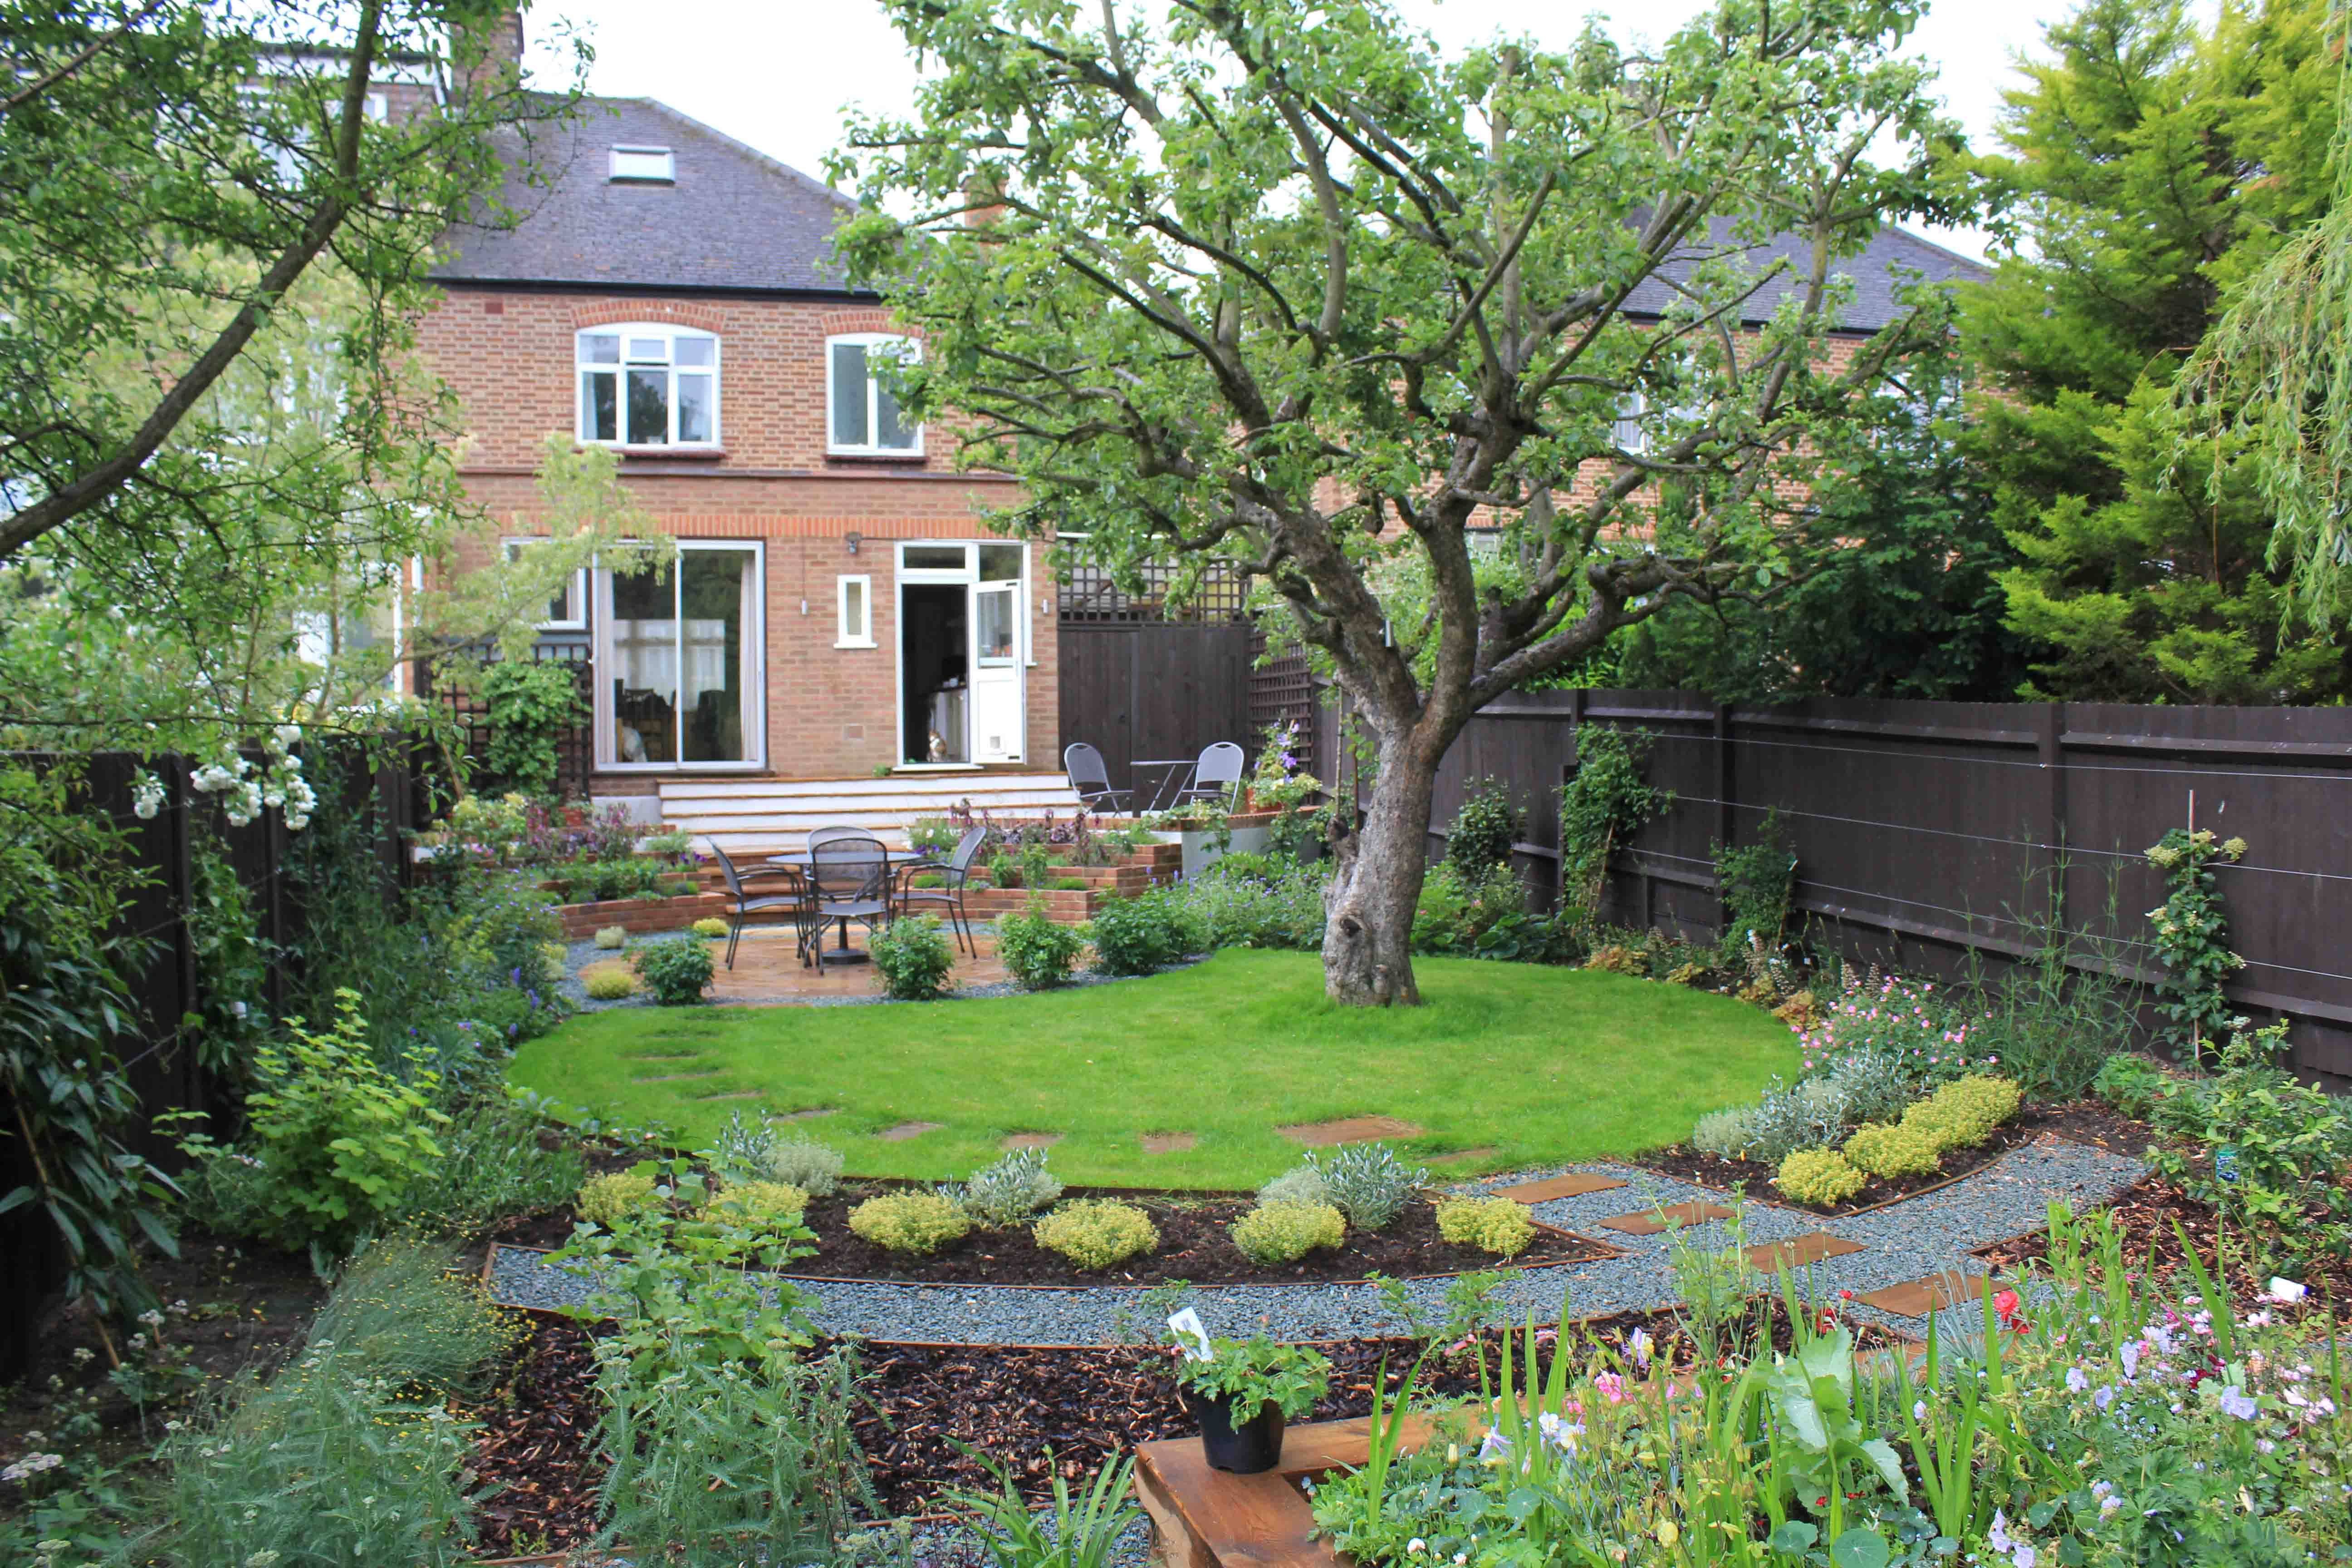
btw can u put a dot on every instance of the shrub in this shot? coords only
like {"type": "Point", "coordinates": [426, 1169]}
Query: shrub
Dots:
{"type": "Point", "coordinates": [608, 982]}
{"type": "Point", "coordinates": [1618, 959]}
{"type": "Point", "coordinates": [1874, 1086]}
{"type": "Point", "coordinates": [801, 1160]}
{"type": "Point", "coordinates": [1484, 830]}
{"type": "Point", "coordinates": [917, 1223]}
{"type": "Point", "coordinates": [1010, 1190]}
{"type": "Point", "coordinates": [710, 926]}
{"type": "Point", "coordinates": [2133, 1084]}
{"type": "Point", "coordinates": [1097, 1233]}
{"type": "Point", "coordinates": [1818, 1176]}
{"type": "Point", "coordinates": [492, 1166]}
{"type": "Point", "coordinates": [1727, 1134]}
{"type": "Point", "coordinates": [612, 939]}
{"type": "Point", "coordinates": [605, 1200]}
{"type": "Point", "coordinates": [677, 970]}
{"type": "Point", "coordinates": [1808, 1115]}
{"type": "Point", "coordinates": [914, 959]}
{"type": "Point", "coordinates": [1455, 910]}
{"type": "Point", "coordinates": [1035, 951]}
{"type": "Point", "coordinates": [935, 836]}
{"type": "Point", "coordinates": [340, 1140]}
{"type": "Point", "coordinates": [2290, 1143]}
{"type": "Point", "coordinates": [1135, 936]}
{"type": "Point", "coordinates": [1279, 1233]}
{"type": "Point", "coordinates": [765, 1202]}
{"type": "Point", "coordinates": [1300, 1185]}
{"type": "Point", "coordinates": [551, 958]}
{"type": "Point", "coordinates": [1963, 1113]}
{"type": "Point", "coordinates": [1250, 900]}
{"type": "Point", "coordinates": [1495, 1225]}
{"type": "Point", "coordinates": [1368, 1183]}
{"type": "Point", "coordinates": [1900, 1150]}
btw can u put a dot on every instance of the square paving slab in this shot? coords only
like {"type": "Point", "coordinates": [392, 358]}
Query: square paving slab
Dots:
{"type": "Point", "coordinates": [1575, 1185]}
{"type": "Point", "coordinates": [1935, 1293]}
{"type": "Point", "coordinates": [1796, 1251]}
{"type": "Point", "coordinates": [1650, 1222]}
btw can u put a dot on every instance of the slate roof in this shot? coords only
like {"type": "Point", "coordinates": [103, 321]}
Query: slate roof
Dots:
{"type": "Point", "coordinates": [734, 219]}
{"type": "Point", "coordinates": [1874, 271]}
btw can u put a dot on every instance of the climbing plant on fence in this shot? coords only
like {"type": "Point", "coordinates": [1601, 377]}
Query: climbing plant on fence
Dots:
{"type": "Point", "coordinates": [1605, 804]}
{"type": "Point", "coordinates": [2191, 936]}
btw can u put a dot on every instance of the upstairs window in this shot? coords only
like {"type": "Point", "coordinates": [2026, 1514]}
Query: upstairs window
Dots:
{"type": "Point", "coordinates": [643, 167]}
{"type": "Point", "coordinates": [648, 386]}
{"type": "Point", "coordinates": [863, 418]}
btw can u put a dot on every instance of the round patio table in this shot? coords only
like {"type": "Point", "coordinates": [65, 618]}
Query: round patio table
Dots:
{"type": "Point", "coordinates": [842, 953]}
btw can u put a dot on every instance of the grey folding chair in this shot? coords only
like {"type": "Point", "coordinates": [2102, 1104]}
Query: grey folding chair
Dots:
{"type": "Point", "coordinates": [1216, 776]}
{"type": "Point", "coordinates": [955, 876]}
{"type": "Point", "coordinates": [1090, 778]}
{"type": "Point", "coordinates": [849, 873]}
{"type": "Point", "coordinates": [742, 905]}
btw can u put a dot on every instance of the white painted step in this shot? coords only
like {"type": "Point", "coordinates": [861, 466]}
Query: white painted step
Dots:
{"type": "Point", "coordinates": [753, 816]}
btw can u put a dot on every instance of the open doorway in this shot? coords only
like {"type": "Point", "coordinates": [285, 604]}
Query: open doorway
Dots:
{"type": "Point", "coordinates": [934, 659]}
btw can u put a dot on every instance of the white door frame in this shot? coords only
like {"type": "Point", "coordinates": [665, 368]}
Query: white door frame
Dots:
{"type": "Point", "coordinates": [902, 576]}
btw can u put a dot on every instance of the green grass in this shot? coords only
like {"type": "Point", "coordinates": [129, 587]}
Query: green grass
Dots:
{"type": "Point", "coordinates": [1538, 1063]}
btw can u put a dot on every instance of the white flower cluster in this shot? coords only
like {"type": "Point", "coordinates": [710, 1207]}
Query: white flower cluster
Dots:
{"type": "Point", "coordinates": [31, 1465]}
{"type": "Point", "coordinates": [146, 795]}
{"type": "Point", "coordinates": [245, 794]}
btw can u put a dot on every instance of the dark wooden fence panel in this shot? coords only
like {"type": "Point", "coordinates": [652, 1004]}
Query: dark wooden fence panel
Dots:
{"type": "Point", "coordinates": [1153, 689]}
{"type": "Point", "coordinates": [1924, 831]}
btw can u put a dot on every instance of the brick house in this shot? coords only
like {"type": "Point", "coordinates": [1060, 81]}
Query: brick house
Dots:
{"type": "Point", "coordinates": [838, 607]}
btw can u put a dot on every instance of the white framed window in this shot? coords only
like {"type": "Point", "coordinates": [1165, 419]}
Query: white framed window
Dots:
{"type": "Point", "coordinates": [1627, 431]}
{"type": "Point", "coordinates": [645, 385]}
{"type": "Point", "coordinates": [681, 663]}
{"type": "Point", "coordinates": [862, 415]}
{"type": "Point", "coordinates": [643, 167]}
{"type": "Point", "coordinates": [568, 610]}
{"type": "Point", "coordinates": [853, 611]}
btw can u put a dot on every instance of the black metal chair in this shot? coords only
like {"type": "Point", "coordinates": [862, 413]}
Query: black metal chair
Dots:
{"type": "Point", "coordinates": [849, 875]}
{"type": "Point", "coordinates": [744, 904]}
{"type": "Point", "coordinates": [1217, 776]}
{"type": "Point", "coordinates": [1090, 778]}
{"type": "Point", "coordinates": [955, 874]}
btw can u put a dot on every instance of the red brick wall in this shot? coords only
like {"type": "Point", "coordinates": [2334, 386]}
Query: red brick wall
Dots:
{"type": "Point", "coordinates": [508, 353]}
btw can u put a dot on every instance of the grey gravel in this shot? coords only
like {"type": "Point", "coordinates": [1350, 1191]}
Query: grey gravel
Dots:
{"type": "Point", "coordinates": [1907, 1240]}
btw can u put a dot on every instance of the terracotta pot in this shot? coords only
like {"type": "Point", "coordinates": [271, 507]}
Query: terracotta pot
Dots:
{"type": "Point", "coordinates": [1246, 1451]}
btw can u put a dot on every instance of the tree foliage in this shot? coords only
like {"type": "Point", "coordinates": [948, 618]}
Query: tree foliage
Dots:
{"type": "Point", "coordinates": [1276, 283]}
{"type": "Point", "coordinates": [2152, 165]}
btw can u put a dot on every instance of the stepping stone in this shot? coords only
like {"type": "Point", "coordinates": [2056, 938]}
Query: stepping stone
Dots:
{"type": "Point", "coordinates": [906, 1129]}
{"type": "Point", "coordinates": [1347, 1129]}
{"type": "Point", "coordinates": [1799, 1251]}
{"type": "Point", "coordinates": [1168, 1142]}
{"type": "Point", "coordinates": [736, 1094]}
{"type": "Point", "coordinates": [689, 1057]}
{"type": "Point", "coordinates": [1935, 1293]}
{"type": "Point", "coordinates": [677, 1076]}
{"type": "Point", "coordinates": [1575, 1185]}
{"type": "Point", "coordinates": [1483, 1152]}
{"type": "Point", "coordinates": [1650, 1222]}
{"type": "Point", "coordinates": [807, 1115]}
{"type": "Point", "coordinates": [1032, 1140]}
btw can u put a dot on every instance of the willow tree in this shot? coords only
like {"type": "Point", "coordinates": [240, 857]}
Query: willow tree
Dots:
{"type": "Point", "coordinates": [1274, 281]}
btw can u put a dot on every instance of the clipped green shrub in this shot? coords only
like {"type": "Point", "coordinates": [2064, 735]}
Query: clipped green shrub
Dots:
{"type": "Point", "coordinates": [1963, 1113]}
{"type": "Point", "coordinates": [612, 939]}
{"type": "Point", "coordinates": [708, 926]}
{"type": "Point", "coordinates": [914, 958]}
{"type": "Point", "coordinates": [605, 1200]}
{"type": "Point", "coordinates": [916, 1223]}
{"type": "Point", "coordinates": [1010, 1190]}
{"type": "Point", "coordinates": [1095, 1233]}
{"type": "Point", "coordinates": [1818, 1176]}
{"type": "Point", "coordinates": [1496, 1224]}
{"type": "Point", "coordinates": [1280, 1232]}
{"type": "Point", "coordinates": [1035, 951]}
{"type": "Point", "coordinates": [1368, 1183]}
{"type": "Point", "coordinates": [806, 1163]}
{"type": "Point", "coordinates": [1135, 936]}
{"type": "Point", "coordinates": [765, 1202]}
{"type": "Point", "coordinates": [551, 957]}
{"type": "Point", "coordinates": [608, 982]}
{"type": "Point", "coordinates": [1725, 1134]}
{"type": "Point", "coordinates": [1300, 1185]}
{"type": "Point", "coordinates": [676, 972]}
{"type": "Point", "coordinates": [1893, 1150]}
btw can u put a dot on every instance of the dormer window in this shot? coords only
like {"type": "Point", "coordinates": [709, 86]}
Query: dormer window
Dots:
{"type": "Point", "coordinates": [648, 386]}
{"type": "Point", "coordinates": [644, 166]}
{"type": "Point", "coordinates": [863, 419]}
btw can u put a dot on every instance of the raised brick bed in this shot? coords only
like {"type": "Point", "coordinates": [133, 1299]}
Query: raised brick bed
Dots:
{"type": "Point", "coordinates": [638, 916]}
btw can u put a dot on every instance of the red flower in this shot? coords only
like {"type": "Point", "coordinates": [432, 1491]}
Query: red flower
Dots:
{"type": "Point", "coordinates": [2004, 1305]}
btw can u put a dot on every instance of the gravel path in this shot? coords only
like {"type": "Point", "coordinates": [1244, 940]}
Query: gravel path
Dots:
{"type": "Point", "coordinates": [1907, 1240]}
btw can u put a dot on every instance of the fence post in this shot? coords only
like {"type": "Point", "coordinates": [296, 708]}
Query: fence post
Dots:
{"type": "Point", "coordinates": [2050, 732]}
{"type": "Point", "coordinates": [1725, 823]}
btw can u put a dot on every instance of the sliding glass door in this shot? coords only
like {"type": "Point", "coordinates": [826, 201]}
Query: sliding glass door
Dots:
{"type": "Point", "coordinates": [679, 662]}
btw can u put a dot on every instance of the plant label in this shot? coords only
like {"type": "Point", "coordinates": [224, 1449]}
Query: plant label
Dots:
{"type": "Point", "coordinates": [1191, 1334]}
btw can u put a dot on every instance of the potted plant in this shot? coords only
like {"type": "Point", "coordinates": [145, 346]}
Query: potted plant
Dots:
{"type": "Point", "coordinates": [1244, 1392]}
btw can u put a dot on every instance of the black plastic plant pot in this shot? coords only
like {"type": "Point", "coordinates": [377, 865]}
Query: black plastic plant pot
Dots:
{"type": "Point", "coordinates": [1253, 1445]}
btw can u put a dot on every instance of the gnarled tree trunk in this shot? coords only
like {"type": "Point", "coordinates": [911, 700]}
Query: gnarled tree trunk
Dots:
{"type": "Point", "coordinates": [1367, 929]}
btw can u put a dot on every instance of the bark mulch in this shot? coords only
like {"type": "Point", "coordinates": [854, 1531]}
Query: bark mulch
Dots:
{"type": "Point", "coordinates": [1193, 1247]}
{"type": "Point", "coordinates": [2148, 1211]}
{"type": "Point", "coordinates": [2083, 1120]}
{"type": "Point", "coordinates": [1039, 1413]}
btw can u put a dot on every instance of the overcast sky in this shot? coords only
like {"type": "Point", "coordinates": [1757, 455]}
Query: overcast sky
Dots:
{"type": "Point", "coordinates": [777, 73]}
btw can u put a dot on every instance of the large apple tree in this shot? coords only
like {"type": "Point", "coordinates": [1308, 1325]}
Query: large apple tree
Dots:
{"type": "Point", "coordinates": [1276, 282]}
